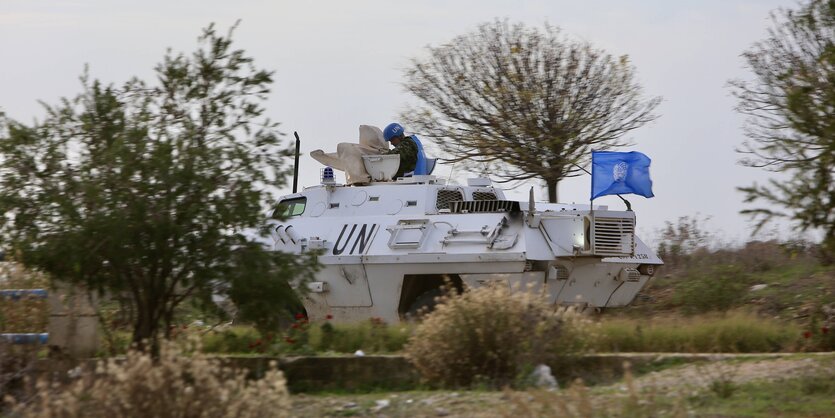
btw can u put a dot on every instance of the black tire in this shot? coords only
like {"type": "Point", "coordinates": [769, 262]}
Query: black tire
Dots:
{"type": "Point", "coordinates": [424, 303]}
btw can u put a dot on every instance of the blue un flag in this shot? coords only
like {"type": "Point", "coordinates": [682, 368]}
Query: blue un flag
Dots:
{"type": "Point", "coordinates": [620, 173]}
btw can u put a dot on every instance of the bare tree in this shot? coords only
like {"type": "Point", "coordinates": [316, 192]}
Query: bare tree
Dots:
{"type": "Point", "coordinates": [790, 104]}
{"type": "Point", "coordinates": [526, 102]}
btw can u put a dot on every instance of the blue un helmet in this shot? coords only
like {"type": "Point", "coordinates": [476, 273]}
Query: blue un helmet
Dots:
{"type": "Point", "coordinates": [392, 130]}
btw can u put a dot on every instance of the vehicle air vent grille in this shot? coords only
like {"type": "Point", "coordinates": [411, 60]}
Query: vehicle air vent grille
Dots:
{"type": "Point", "coordinates": [559, 273]}
{"type": "Point", "coordinates": [630, 275]}
{"type": "Point", "coordinates": [614, 237]}
{"type": "Point", "coordinates": [484, 196]}
{"type": "Point", "coordinates": [484, 206]}
{"type": "Point", "coordinates": [445, 197]}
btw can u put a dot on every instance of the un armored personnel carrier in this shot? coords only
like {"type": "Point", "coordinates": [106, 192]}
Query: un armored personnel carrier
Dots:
{"type": "Point", "coordinates": [388, 247]}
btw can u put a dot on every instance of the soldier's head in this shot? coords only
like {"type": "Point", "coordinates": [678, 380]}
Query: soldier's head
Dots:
{"type": "Point", "coordinates": [393, 133]}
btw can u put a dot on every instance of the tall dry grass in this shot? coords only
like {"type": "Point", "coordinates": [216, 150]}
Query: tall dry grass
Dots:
{"type": "Point", "coordinates": [180, 383]}
{"type": "Point", "coordinates": [493, 337]}
{"type": "Point", "coordinates": [735, 332]}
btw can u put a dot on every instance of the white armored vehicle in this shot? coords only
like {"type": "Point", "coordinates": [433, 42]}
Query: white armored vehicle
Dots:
{"type": "Point", "coordinates": [388, 247]}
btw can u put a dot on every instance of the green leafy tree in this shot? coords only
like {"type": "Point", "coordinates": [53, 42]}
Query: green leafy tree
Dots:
{"type": "Point", "coordinates": [150, 190]}
{"type": "Point", "coordinates": [790, 109]}
{"type": "Point", "coordinates": [526, 103]}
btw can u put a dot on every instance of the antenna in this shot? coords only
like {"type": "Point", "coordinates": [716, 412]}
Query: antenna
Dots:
{"type": "Point", "coordinates": [296, 165]}
{"type": "Point", "coordinates": [531, 204]}
{"type": "Point", "coordinates": [531, 207]}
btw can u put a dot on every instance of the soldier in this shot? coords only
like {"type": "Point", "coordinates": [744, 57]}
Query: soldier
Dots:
{"type": "Point", "coordinates": [410, 149]}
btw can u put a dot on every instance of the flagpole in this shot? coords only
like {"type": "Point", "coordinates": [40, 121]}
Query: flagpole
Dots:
{"type": "Point", "coordinates": [591, 195]}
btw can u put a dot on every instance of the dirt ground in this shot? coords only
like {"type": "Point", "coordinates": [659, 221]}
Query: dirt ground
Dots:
{"type": "Point", "coordinates": [700, 375]}
{"type": "Point", "coordinates": [679, 381]}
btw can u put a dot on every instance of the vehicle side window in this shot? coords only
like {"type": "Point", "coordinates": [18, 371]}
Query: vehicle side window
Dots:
{"type": "Point", "coordinates": [290, 207]}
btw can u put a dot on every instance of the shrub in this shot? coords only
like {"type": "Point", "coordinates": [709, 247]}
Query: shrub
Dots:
{"type": "Point", "coordinates": [819, 334]}
{"type": "Point", "coordinates": [490, 336]}
{"type": "Point", "coordinates": [684, 242]}
{"type": "Point", "coordinates": [178, 384]}
{"type": "Point", "coordinates": [761, 256]}
{"type": "Point", "coordinates": [236, 339]}
{"type": "Point", "coordinates": [712, 289]}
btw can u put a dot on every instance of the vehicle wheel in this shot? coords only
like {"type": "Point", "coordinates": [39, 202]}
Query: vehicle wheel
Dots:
{"type": "Point", "coordinates": [424, 303]}
{"type": "Point", "coordinates": [592, 312]}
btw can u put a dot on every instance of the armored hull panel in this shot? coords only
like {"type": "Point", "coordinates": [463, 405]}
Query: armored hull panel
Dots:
{"type": "Point", "coordinates": [387, 248]}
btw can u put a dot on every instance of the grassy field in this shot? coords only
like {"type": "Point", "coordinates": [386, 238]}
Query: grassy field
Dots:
{"type": "Point", "coordinates": [735, 332]}
{"type": "Point", "coordinates": [802, 397]}
{"type": "Point", "coordinates": [798, 387]}
{"type": "Point", "coordinates": [732, 332]}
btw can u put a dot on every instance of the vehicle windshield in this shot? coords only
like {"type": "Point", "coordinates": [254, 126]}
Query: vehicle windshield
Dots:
{"type": "Point", "coordinates": [290, 207]}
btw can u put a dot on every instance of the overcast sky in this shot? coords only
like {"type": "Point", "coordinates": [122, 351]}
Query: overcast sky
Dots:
{"type": "Point", "coordinates": [339, 64]}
